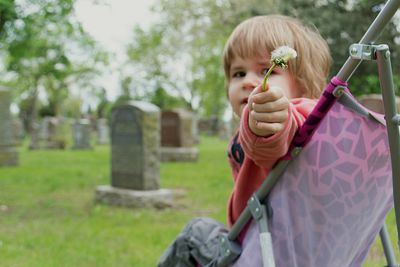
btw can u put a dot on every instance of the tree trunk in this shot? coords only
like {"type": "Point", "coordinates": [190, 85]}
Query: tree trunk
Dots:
{"type": "Point", "coordinates": [30, 114]}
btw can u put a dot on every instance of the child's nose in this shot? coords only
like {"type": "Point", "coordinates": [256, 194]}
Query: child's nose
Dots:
{"type": "Point", "coordinates": [251, 80]}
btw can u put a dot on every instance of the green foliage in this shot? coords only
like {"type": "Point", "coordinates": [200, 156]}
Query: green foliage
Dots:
{"type": "Point", "coordinates": [7, 14]}
{"type": "Point", "coordinates": [46, 110]}
{"type": "Point", "coordinates": [163, 100]}
{"type": "Point", "coordinates": [72, 107]}
{"type": "Point", "coordinates": [101, 109]}
{"type": "Point", "coordinates": [343, 23]}
{"type": "Point", "coordinates": [47, 51]}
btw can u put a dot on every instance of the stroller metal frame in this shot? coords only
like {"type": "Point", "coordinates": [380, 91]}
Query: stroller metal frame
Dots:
{"type": "Point", "coordinates": [364, 50]}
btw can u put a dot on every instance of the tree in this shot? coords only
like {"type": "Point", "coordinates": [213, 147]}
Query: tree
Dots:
{"type": "Point", "coordinates": [7, 13]}
{"type": "Point", "coordinates": [182, 52]}
{"type": "Point", "coordinates": [357, 13]}
{"type": "Point", "coordinates": [163, 100]}
{"type": "Point", "coordinates": [47, 51]}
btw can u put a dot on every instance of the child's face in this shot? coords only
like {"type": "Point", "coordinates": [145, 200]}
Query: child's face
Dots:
{"type": "Point", "coordinates": [247, 74]}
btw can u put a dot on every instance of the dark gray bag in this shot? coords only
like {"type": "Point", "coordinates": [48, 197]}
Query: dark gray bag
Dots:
{"type": "Point", "coordinates": [198, 243]}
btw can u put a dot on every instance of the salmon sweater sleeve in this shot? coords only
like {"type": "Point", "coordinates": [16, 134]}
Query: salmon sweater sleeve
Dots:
{"type": "Point", "coordinates": [252, 157]}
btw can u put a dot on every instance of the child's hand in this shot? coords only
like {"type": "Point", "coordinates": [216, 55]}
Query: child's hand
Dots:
{"type": "Point", "coordinates": [268, 111]}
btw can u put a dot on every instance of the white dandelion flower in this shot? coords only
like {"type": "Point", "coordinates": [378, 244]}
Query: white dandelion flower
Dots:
{"type": "Point", "coordinates": [279, 57]}
{"type": "Point", "coordinates": [282, 55]}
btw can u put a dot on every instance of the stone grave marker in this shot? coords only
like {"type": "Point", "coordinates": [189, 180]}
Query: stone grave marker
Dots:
{"type": "Point", "coordinates": [52, 133]}
{"type": "Point", "coordinates": [177, 136]}
{"type": "Point", "coordinates": [18, 130]}
{"type": "Point", "coordinates": [8, 152]}
{"type": "Point", "coordinates": [102, 132]}
{"type": "Point", "coordinates": [35, 136]}
{"type": "Point", "coordinates": [135, 158]}
{"type": "Point", "coordinates": [81, 133]}
{"type": "Point", "coordinates": [195, 129]}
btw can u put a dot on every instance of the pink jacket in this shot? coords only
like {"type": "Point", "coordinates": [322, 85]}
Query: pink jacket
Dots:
{"type": "Point", "coordinates": [252, 157]}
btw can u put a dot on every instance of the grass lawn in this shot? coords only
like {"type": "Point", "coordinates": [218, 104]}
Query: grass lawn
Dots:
{"type": "Point", "coordinates": [48, 217]}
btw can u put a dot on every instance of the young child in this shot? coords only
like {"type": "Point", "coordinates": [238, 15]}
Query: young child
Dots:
{"type": "Point", "coordinates": [269, 119]}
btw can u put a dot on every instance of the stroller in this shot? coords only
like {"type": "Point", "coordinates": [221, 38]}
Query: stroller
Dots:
{"type": "Point", "coordinates": [329, 213]}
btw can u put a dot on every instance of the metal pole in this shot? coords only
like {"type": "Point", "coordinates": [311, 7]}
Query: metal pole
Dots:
{"type": "Point", "coordinates": [392, 122]}
{"type": "Point", "coordinates": [387, 247]}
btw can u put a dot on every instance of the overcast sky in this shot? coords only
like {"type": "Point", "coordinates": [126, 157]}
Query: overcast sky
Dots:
{"type": "Point", "coordinates": [111, 24]}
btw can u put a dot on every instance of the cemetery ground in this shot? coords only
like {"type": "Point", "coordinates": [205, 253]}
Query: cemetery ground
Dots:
{"type": "Point", "coordinates": [48, 217]}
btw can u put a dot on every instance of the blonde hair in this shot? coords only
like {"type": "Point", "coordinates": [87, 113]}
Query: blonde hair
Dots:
{"type": "Point", "coordinates": [258, 35]}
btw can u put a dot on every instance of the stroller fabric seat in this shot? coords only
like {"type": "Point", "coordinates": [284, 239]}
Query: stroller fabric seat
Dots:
{"type": "Point", "coordinates": [332, 200]}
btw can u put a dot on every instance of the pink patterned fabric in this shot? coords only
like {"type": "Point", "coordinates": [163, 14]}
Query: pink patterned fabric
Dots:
{"type": "Point", "coordinates": [325, 102]}
{"type": "Point", "coordinates": [332, 200]}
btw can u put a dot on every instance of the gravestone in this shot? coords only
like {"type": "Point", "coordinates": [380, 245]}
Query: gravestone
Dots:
{"type": "Point", "coordinates": [135, 158]}
{"type": "Point", "coordinates": [18, 130]}
{"type": "Point", "coordinates": [135, 147]}
{"type": "Point", "coordinates": [8, 152]}
{"type": "Point", "coordinates": [102, 132]}
{"type": "Point", "coordinates": [195, 129]}
{"type": "Point", "coordinates": [374, 102]}
{"type": "Point", "coordinates": [46, 130]}
{"type": "Point", "coordinates": [209, 126]}
{"type": "Point", "coordinates": [34, 136]}
{"type": "Point", "coordinates": [177, 136]}
{"type": "Point", "coordinates": [81, 130]}
{"type": "Point", "coordinates": [52, 133]}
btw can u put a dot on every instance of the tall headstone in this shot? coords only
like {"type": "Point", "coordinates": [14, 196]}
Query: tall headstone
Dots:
{"type": "Point", "coordinates": [8, 152]}
{"type": "Point", "coordinates": [135, 147]}
{"type": "Point", "coordinates": [209, 126]}
{"type": "Point", "coordinates": [81, 133]}
{"type": "Point", "coordinates": [177, 136]}
{"type": "Point", "coordinates": [35, 136]}
{"type": "Point", "coordinates": [52, 133]}
{"type": "Point", "coordinates": [103, 132]}
{"type": "Point", "coordinates": [18, 130]}
{"type": "Point", "coordinates": [195, 129]}
{"type": "Point", "coordinates": [135, 158]}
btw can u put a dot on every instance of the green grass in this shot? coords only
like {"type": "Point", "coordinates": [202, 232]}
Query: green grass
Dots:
{"type": "Point", "coordinates": [48, 217]}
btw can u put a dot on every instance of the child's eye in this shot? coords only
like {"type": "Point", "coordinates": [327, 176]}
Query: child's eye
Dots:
{"type": "Point", "coordinates": [239, 74]}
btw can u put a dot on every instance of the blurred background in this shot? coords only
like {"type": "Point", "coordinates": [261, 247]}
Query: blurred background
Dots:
{"type": "Point", "coordinates": [77, 58]}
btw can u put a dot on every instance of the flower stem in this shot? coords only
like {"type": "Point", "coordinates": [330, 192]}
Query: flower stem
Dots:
{"type": "Point", "coordinates": [264, 83]}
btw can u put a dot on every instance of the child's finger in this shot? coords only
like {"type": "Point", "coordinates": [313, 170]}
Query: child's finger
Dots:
{"type": "Point", "coordinates": [271, 128]}
{"type": "Point", "coordinates": [272, 94]}
{"type": "Point", "coordinates": [280, 104]}
{"type": "Point", "coordinates": [273, 117]}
